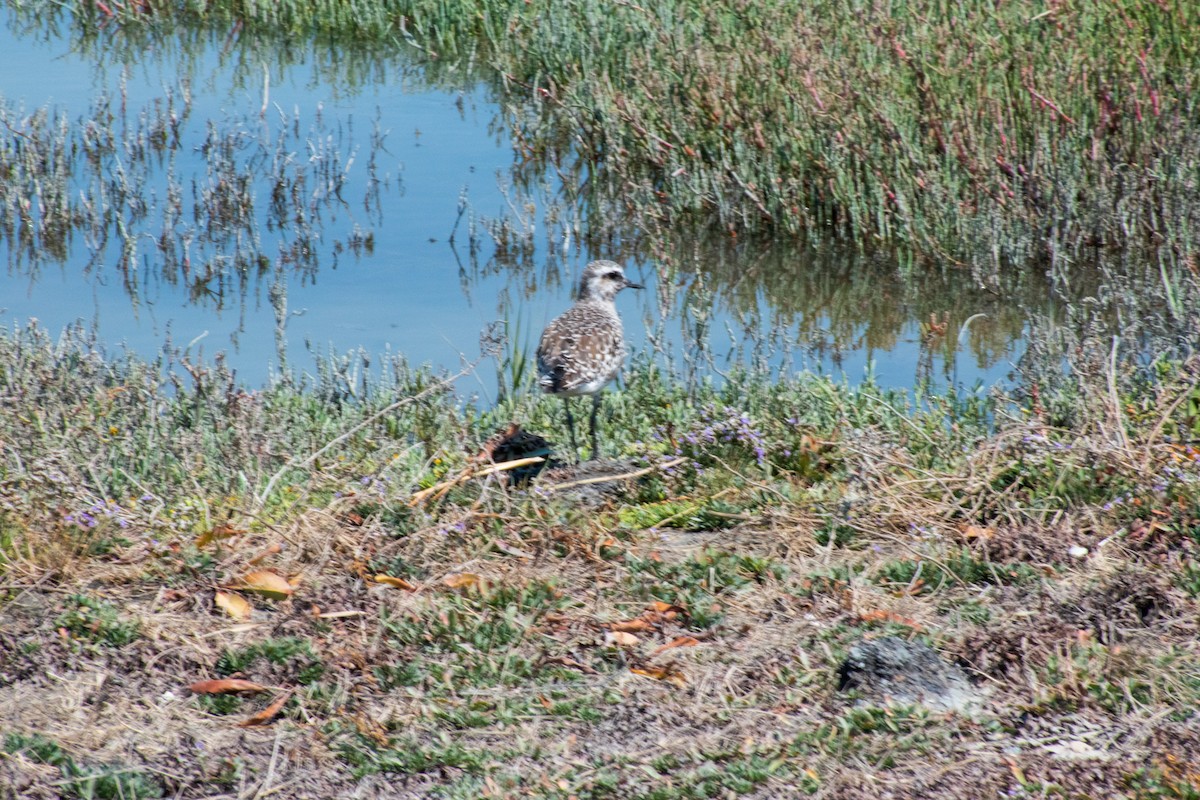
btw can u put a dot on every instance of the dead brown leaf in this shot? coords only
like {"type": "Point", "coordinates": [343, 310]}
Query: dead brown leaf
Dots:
{"type": "Point", "coordinates": [267, 714]}
{"type": "Point", "coordinates": [217, 533]}
{"type": "Point", "coordinates": [668, 610]}
{"type": "Point", "coordinates": [668, 674]}
{"type": "Point", "coordinates": [977, 532]}
{"type": "Point", "coordinates": [226, 686]}
{"type": "Point", "coordinates": [681, 641]}
{"type": "Point", "coordinates": [399, 583]}
{"type": "Point", "coordinates": [269, 584]}
{"type": "Point", "coordinates": [233, 605]}
{"type": "Point", "coordinates": [632, 625]}
{"type": "Point", "coordinates": [267, 552]}
{"type": "Point", "coordinates": [461, 580]}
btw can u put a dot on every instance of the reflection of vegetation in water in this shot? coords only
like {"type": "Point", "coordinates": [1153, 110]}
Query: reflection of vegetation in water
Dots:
{"type": "Point", "coordinates": [346, 63]}
{"type": "Point", "coordinates": [839, 299]}
{"type": "Point", "coordinates": [113, 181]}
{"type": "Point", "coordinates": [765, 303]}
{"type": "Point", "coordinates": [220, 201]}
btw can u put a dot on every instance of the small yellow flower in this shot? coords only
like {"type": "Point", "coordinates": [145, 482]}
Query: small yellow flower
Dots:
{"type": "Point", "coordinates": [113, 430]}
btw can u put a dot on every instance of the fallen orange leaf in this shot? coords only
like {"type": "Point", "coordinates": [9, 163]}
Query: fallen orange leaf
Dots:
{"type": "Point", "coordinates": [668, 674]}
{"type": "Point", "coordinates": [269, 584]}
{"type": "Point", "coordinates": [665, 608]}
{"type": "Point", "coordinates": [631, 625]}
{"type": "Point", "coordinates": [267, 552]}
{"type": "Point", "coordinates": [226, 686]}
{"type": "Point", "coordinates": [461, 580]}
{"type": "Point", "coordinates": [399, 583]}
{"type": "Point", "coordinates": [682, 641]}
{"type": "Point", "coordinates": [976, 532]}
{"type": "Point", "coordinates": [267, 714]}
{"type": "Point", "coordinates": [620, 638]}
{"type": "Point", "coordinates": [219, 532]}
{"type": "Point", "coordinates": [234, 605]}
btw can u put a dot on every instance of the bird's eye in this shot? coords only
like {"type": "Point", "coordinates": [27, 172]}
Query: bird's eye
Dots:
{"type": "Point", "coordinates": [614, 276]}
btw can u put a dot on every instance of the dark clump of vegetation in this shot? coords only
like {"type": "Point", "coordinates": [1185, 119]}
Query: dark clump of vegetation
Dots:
{"type": "Point", "coordinates": [300, 664]}
{"type": "Point", "coordinates": [96, 621]}
{"type": "Point", "coordinates": [103, 782]}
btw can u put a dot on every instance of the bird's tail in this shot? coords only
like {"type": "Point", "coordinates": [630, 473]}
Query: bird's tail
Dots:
{"type": "Point", "coordinates": [553, 379]}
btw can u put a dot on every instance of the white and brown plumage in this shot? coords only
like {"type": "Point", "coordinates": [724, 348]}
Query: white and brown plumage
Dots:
{"type": "Point", "coordinates": [583, 349]}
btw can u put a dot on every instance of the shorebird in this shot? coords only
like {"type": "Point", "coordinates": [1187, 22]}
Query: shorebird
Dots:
{"type": "Point", "coordinates": [583, 349]}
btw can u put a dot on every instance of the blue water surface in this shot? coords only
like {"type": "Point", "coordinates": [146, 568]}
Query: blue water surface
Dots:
{"type": "Point", "coordinates": [445, 167]}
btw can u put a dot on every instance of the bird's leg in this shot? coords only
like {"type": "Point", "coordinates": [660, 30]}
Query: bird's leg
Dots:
{"type": "Point", "coordinates": [571, 429]}
{"type": "Point", "coordinates": [595, 438]}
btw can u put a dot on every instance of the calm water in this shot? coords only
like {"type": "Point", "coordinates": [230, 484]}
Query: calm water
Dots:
{"type": "Point", "coordinates": [380, 216]}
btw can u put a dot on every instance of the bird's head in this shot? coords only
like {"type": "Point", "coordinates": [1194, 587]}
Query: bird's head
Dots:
{"type": "Point", "coordinates": [602, 280]}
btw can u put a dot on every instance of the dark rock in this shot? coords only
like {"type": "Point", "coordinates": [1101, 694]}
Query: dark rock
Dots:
{"type": "Point", "coordinates": [514, 444]}
{"type": "Point", "coordinates": [893, 670]}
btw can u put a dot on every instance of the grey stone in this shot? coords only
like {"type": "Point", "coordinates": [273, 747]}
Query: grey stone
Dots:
{"type": "Point", "coordinates": [896, 671]}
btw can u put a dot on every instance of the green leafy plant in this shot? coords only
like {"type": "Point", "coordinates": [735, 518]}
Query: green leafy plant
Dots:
{"type": "Point", "coordinates": [92, 620]}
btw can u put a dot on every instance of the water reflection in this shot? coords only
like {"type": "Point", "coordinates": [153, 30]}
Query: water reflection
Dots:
{"type": "Point", "coordinates": [180, 187]}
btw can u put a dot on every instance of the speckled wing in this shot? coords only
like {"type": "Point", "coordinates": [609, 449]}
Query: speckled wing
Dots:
{"type": "Point", "coordinates": [580, 351]}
